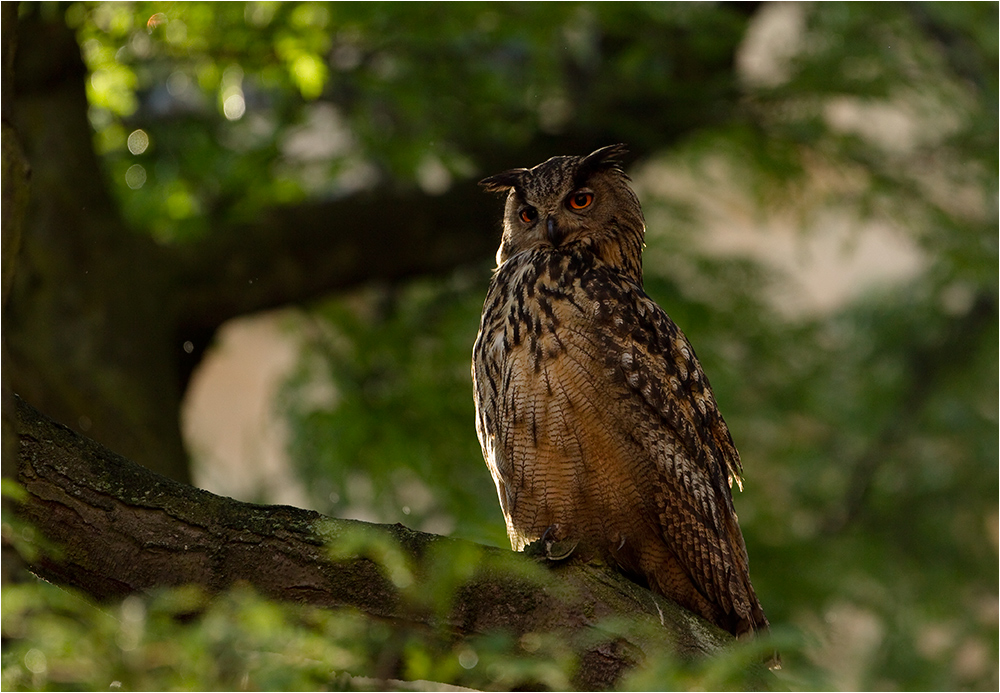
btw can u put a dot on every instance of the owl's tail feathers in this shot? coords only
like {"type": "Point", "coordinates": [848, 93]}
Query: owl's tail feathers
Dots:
{"type": "Point", "coordinates": [737, 610]}
{"type": "Point", "coordinates": [757, 626]}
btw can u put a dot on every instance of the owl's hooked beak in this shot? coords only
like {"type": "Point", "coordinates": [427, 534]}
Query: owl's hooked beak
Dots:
{"type": "Point", "coordinates": [553, 232]}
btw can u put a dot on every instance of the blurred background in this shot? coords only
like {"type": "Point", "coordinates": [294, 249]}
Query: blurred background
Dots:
{"type": "Point", "coordinates": [254, 257]}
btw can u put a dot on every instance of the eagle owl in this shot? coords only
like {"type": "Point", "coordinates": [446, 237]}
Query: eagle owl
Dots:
{"type": "Point", "coordinates": [595, 418]}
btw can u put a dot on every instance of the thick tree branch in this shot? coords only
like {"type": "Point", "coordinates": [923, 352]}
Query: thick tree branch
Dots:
{"type": "Point", "coordinates": [298, 253]}
{"type": "Point", "coordinates": [120, 529]}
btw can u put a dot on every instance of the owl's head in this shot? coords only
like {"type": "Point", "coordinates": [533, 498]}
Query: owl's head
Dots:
{"type": "Point", "coordinates": [584, 200]}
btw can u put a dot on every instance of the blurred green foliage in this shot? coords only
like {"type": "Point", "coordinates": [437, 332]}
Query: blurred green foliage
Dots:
{"type": "Point", "coordinates": [868, 431]}
{"type": "Point", "coordinates": [184, 638]}
{"type": "Point", "coordinates": [386, 348]}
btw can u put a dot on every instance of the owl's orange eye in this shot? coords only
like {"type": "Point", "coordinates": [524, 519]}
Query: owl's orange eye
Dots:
{"type": "Point", "coordinates": [581, 200]}
{"type": "Point", "coordinates": [528, 214]}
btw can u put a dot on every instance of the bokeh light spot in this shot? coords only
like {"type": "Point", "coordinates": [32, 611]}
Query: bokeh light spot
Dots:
{"type": "Point", "coordinates": [135, 177]}
{"type": "Point", "coordinates": [138, 141]}
{"type": "Point", "coordinates": [35, 662]}
{"type": "Point", "coordinates": [234, 107]}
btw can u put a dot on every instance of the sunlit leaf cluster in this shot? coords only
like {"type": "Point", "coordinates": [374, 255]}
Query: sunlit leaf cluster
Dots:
{"type": "Point", "coordinates": [250, 105]}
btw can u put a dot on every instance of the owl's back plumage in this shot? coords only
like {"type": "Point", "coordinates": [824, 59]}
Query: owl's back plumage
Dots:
{"type": "Point", "coordinates": [594, 415]}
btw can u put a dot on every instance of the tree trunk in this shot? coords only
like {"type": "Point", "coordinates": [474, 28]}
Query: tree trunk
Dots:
{"type": "Point", "coordinates": [15, 199]}
{"type": "Point", "coordinates": [87, 323]}
{"type": "Point", "coordinates": [120, 529]}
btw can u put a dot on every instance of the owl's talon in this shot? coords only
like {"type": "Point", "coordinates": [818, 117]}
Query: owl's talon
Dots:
{"type": "Point", "coordinates": [560, 550]}
{"type": "Point", "coordinates": [548, 548]}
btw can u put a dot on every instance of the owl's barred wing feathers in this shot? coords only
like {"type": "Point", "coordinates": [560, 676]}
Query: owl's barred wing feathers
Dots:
{"type": "Point", "coordinates": [675, 404]}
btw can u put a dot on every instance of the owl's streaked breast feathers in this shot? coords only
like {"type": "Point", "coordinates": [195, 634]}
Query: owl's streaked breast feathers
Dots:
{"type": "Point", "coordinates": [595, 417]}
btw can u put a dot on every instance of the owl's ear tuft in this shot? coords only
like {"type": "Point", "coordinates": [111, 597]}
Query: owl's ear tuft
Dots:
{"type": "Point", "coordinates": [611, 154]}
{"type": "Point", "coordinates": [602, 159]}
{"type": "Point", "coordinates": [502, 182]}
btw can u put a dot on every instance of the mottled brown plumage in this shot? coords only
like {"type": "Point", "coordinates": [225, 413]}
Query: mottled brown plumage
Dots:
{"type": "Point", "coordinates": [594, 415]}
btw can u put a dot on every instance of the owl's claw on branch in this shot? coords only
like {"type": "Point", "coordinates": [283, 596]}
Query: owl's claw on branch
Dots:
{"type": "Point", "coordinates": [549, 549]}
{"type": "Point", "coordinates": [560, 550]}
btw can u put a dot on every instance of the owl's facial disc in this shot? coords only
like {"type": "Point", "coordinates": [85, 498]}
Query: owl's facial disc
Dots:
{"type": "Point", "coordinates": [552, 213]}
